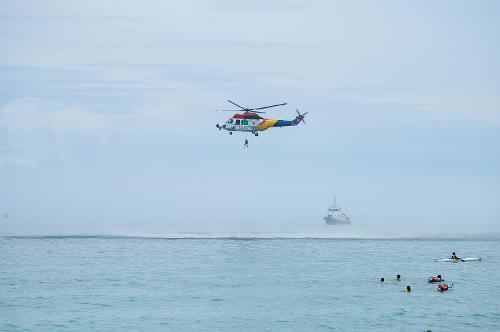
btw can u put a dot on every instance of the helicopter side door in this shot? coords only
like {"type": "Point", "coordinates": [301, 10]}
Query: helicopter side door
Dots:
{"type": "Point", "coordinates": [237, 125]}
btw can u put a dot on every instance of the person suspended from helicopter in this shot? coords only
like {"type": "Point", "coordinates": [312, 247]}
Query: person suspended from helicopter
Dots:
{"type": "Point", "coordinates": [246, 144]}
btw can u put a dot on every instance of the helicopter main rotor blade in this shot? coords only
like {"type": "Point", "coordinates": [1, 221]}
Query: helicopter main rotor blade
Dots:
{"type": "Point", "coordinates": [250, 109]}
{"type": "Point", "coordinates": [261, 108]}
{"type": "Point", "coordinates": [236, 111]}
{"type": "Point", "coordinates": [243, 108]}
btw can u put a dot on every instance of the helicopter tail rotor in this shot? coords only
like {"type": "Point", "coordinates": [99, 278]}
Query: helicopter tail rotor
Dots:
{"type": "Point", "coordinates": [300, 117]}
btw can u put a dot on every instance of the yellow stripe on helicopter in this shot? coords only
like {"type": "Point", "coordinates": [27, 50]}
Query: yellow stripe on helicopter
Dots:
{"type": "Point", "coordinates": [266, 123]}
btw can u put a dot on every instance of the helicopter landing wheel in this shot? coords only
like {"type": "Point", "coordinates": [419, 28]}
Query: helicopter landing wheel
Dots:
{"type": "Point", "coordinates": [256, 134]}
{"type": "Point", "coordinates": [230, 133]}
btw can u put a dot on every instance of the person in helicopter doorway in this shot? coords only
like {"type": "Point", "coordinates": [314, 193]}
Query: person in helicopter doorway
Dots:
{"type": "Point", "coordinates": [246, 144]}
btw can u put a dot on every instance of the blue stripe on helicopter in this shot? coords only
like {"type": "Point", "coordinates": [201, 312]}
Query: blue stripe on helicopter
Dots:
{"type": "Point", "coordinates": [284, 123]}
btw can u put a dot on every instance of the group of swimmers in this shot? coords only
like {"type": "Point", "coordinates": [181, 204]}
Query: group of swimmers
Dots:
{"type": "Point", "coordinates": [398, 278]}
{"type": "Point", "coordinates": [442, 287]}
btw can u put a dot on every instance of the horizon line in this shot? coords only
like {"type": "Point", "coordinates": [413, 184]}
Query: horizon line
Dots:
{"type": "Point", "coordinates": [250, 236]}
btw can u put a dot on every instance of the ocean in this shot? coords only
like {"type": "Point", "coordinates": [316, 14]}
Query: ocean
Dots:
{"type": "Point", "coordinates": [100, 283]}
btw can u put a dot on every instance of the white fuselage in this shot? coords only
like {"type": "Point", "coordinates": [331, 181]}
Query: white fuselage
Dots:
{"type": "Point", "coordinates": [241, 125]}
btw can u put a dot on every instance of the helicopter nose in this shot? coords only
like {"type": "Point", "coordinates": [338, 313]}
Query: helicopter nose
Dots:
{"type": "Point", "coordinates": [223, 126]}
{"type": "Point", "coordinates": [217, 125]}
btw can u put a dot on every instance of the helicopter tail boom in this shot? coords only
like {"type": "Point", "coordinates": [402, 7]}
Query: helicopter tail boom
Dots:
{"type": "Point", "coordinates": [268, 123]}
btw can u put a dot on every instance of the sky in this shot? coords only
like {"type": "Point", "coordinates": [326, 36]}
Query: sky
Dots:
{"type": "Point", "coordinates": [107, 122]}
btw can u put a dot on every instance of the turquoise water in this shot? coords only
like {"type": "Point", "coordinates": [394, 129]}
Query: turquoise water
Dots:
{"type": "Point", "coordinates": [228, 284]}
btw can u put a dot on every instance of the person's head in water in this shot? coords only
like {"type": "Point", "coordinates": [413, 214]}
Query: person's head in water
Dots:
{"type": "Point", "coordinates": [398, 277]}
{"type": "Point", "coordinates": [382, 279]}
{"type": "Point", "coordinates": [439, 276]}
{"type": "Point", "coordinates": [408, 288]}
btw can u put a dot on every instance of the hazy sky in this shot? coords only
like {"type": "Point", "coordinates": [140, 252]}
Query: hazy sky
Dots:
{"type": "Point", "coordinates": [106, 123]}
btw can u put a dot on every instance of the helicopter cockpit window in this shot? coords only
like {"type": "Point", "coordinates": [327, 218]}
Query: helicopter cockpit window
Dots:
{"type": "Point", "coordinates": [230, 121]}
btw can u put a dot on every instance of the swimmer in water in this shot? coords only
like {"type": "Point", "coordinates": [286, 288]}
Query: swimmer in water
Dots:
{"type": "Point", "coordinates": [442, 287]}
{"type": "Point", "coordinates": [435, 279]}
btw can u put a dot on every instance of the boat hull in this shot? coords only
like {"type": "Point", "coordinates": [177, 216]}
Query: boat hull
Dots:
{"type": "Point", "coordinates": [333, 221]}
{"type": "Point", "coordinates": [469, 259]}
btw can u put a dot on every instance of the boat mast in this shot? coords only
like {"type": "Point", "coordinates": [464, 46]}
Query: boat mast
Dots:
{"type": "Point", "coordinates": [334, 208]}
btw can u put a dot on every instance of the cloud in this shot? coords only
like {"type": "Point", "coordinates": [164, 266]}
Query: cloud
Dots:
{"type": "Point", "coordinates": [11, 155]}
{"type": "Point", "coordinates": [31, 114]}
{"type": "Point", "coordinates": [256, 6]}
{"type": "Point", "coordinates": [25, 115]}
{"type": "Point", "coordinates": [32, 129]}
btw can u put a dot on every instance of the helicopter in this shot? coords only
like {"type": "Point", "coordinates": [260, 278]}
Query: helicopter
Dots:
{"type": "Point", "coordinates": [251, 121]}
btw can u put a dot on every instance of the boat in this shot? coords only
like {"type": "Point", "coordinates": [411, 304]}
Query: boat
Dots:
{"type": "Point", "coordinates": [336, 216]}
{"type": "Point", "coordinates": [453, 260]}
